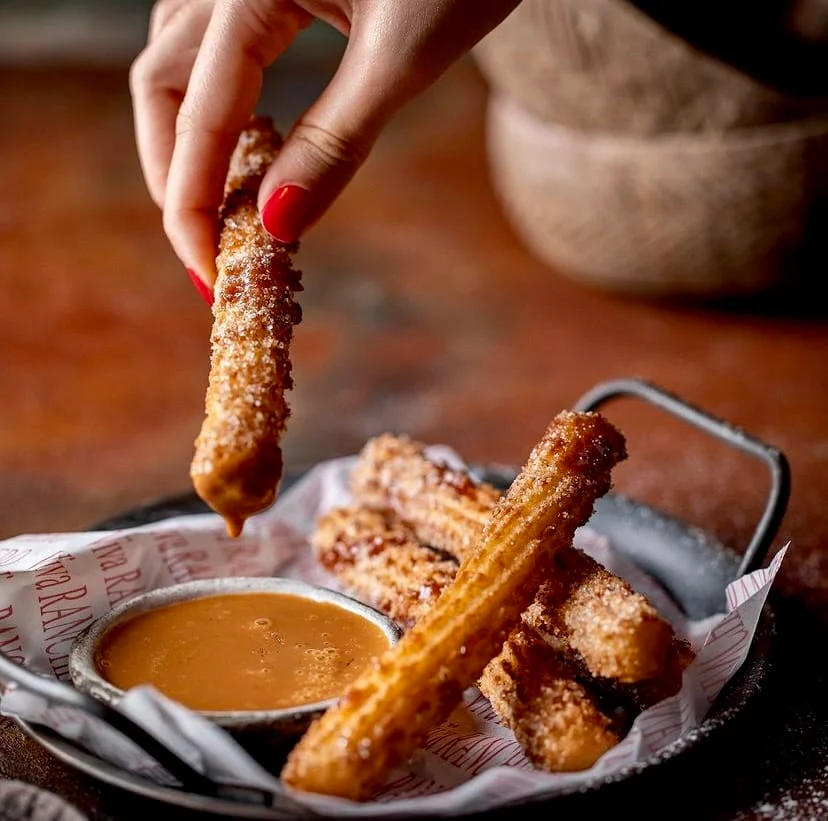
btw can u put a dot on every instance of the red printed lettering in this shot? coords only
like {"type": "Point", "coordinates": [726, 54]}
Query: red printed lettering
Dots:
{"type": "Point", "coordinates": [10, 642]}
{"type": "Point", "coordinates": [123, 585]}
{"type": "Point", "coordinates": [715, 669]}
{"type": "Point", "coordinates": [47, 560]}
{"type": "Point", "coordinates": [46, 602]}
{"type": "Point", "coordinates": [488, 749]}
{"type": "Point", "coordinates": [656, 737]}
{"type": "Point", "coordinates": [51, 575]}
{"type": "Point", "coordinates": [11, 645]}
{"type": "Point", "coordinates": [186, 564]}
{"type": "Point", "coordinates": [60, 636]}
{"type": "Point", "coordinates": [728, 626]}
{"type": "Point", "coordinates": [60, 666]}
{"type": "Point", "coordinates": [110, 556]}
{"type": "Point", "coordinates": [482, 708]}
{"type": "Point", "coordinates": [170, 541]}
{"type": "Point", "coordinates": [243, 560]}
{"type": "Point", "coordinates": [63, 617]}
{"type": "Point", "coordinates": [60, 615]}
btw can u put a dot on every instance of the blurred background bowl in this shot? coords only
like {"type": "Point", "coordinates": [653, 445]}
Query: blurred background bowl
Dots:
{"type": "Point", "coordinates": [676, 152]}
{"type": "Point", "coordinates": [608, 66]}
{"type": "Point", "coordinates": [697, 214]}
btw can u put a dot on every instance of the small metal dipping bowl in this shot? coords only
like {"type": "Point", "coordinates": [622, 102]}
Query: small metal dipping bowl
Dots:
{"type": "Point", "coordinates": [280, 723]}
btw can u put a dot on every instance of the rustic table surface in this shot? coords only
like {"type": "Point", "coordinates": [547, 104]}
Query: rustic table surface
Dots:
{"type": "Point", "coordinates": [423, 314]}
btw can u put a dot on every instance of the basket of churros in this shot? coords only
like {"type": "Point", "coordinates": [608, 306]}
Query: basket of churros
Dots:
{"type": "Point", "coordinates": [539, 656]}
{"type": "Point", "coordinates": [486, 637]}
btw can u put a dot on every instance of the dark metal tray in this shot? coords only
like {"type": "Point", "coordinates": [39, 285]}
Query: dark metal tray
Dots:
{"type": "Point", "coordinates": [691, 565]}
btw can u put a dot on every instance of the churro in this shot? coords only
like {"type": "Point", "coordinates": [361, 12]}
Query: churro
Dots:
{"type": "Point", "coordinates": [237, 465]}
{"type": "Point", "coordinates": [532, 686]}
{"type": "Point", "coordinates": [617, 631]}
{"type": "Point", "coordinates": [536, 693]}
{"type": "Point", "coordinates": [446, 506]}
{"type": "Point", "coordinates": [386, 714]}
{"type": "Point", "coordinates": [379, 560]}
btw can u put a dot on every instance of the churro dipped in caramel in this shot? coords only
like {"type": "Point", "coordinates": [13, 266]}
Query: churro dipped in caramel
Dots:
{"type": "Point", "coordinates": [617, 631]}
{"type": "Point", "coordinates": [386, 714]}
{"type": "Point", "coordinates": [237, 465]}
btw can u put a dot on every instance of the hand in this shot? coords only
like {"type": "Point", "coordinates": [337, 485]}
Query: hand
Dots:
{"type": "Point", "coordinates": [198, 81]}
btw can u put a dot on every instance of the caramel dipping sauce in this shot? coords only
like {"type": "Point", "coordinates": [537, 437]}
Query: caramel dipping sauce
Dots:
{"type": "Point", "coordinates": [241, 651]}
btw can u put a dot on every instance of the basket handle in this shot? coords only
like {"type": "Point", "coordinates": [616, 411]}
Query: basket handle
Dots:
{"type": "Point", "coordinates": [775, 460]}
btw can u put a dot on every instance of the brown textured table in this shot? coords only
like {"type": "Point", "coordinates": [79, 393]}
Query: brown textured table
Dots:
{"type": "Point", "coordinates": [422, 314]}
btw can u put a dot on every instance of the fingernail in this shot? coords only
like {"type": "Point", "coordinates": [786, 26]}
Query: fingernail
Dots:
{"type": "Point", "coordinates": [200, 286]}
{"type": "Point", "coordinates": [285, 213]}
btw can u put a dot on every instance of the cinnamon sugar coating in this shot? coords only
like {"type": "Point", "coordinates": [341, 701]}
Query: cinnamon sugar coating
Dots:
{"type": "Point", "coordinates": [446, 506]}
{"type": "Point", "coordinates": [532, 686]}
{"type": "Point", "coordinates": [536, 693]}
{"type": "Point", "coordinates": [379, 560]}
{"type": "Point", "coordinates": [617, 631]}
{"type": "Point", "coordinates": [385, 715]}
{"type": "Point", "coordinates": [237, 465]}
{"type": "Point", "coordinates": [588, 654]}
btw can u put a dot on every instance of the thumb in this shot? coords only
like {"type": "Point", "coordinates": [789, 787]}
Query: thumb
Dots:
{"type": "Point", "coordinates": [329, 143]}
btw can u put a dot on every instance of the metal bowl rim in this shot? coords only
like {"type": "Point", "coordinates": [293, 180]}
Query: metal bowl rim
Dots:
{"type": "Point", "coordinates": [86, 677]}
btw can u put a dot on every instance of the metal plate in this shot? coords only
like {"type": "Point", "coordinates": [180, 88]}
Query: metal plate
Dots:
{"type": "Point", "coordinates": [691, 565]}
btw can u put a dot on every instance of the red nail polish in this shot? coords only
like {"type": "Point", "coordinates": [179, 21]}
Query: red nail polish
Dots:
{"type": "Point", "coordinates": [200, 286]}
{"type": "Point", "coordinates": [285, 213]}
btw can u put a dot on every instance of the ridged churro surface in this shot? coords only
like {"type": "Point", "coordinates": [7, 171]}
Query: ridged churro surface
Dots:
{"type": "Point", "coordinates": [237, 465]}
{"type": "Point", "coordinates": [379, 560]}
{"type": "Point", "coordinates": [616, 630]}
{"type": "Point", "coordinates": [531, 686]}
{"type": "Point", "coordinates": [535, 692]}
{"type": "Point", "coordinates": [446, 506]}
{"type": "Point", "coordinates": [386, 714]}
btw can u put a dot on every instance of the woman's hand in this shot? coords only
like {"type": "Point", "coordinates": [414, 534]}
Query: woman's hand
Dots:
{"type": "Point", "coordinates": [198, 81]}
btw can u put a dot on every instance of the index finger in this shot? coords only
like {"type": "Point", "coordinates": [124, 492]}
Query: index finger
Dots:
{"type": "Point", "coordinates": [242, 38]}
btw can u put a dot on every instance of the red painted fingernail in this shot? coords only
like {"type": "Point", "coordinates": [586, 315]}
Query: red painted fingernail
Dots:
{"type": "Point", "coordinates": [285, 213]}
{"type": "Point", "coordinates": [200, 286]}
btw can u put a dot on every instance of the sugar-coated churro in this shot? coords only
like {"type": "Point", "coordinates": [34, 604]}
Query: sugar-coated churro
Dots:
{"type": "Point", "coordinates": [445, 506]}
{"type": "Point", "coordinates": [386, 714]}
{"type": "Point", "coordinates": [379, 560]}
{"type": "Point", "coordinates": [640, 695]}
{"type": "Point", "coordinates": [237, 465]}
{"type": "Point", "coordinates": [536, 693]}
{"type": "Point", "coordinates": [617, 631]}
{"type": "Point", "coordinates": [531, 685]}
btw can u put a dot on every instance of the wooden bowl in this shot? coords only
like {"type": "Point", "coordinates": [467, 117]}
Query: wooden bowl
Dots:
{"type": "Point", "coordinates": [705, 214]}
